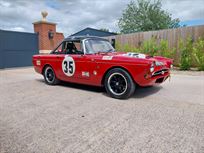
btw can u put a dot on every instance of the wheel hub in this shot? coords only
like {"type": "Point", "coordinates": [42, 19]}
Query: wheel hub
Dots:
{"type": "Point", "coordinates": [49, 75]}
{"type": "Point", "coordinates": [117, 84]}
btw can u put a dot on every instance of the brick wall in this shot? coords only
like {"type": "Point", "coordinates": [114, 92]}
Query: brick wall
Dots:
{"type": "Point", "coordinates": [45, 43]}
{"type": "Point", "coordinates": [59, 38]}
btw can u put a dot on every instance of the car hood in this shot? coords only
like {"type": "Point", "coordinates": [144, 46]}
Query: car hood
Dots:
{"type": "Point", "coordinates": [135, 57]}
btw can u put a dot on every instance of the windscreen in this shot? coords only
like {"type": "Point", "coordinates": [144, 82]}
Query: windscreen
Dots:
{"type": "Point", "coordinates": [97, 46]}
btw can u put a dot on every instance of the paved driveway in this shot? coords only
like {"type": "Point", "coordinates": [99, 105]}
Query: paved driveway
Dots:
{"type": "Point", "coordinates": [35, 117]}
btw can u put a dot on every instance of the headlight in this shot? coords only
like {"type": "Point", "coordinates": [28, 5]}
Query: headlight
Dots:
{"type": "Point", "coordinates": [152, 67]}
{"type": "Point", "coordinates": [171, 66]}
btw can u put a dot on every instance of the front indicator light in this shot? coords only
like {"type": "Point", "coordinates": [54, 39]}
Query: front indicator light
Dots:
{"type": "Point", "coordinates": [147, 76]}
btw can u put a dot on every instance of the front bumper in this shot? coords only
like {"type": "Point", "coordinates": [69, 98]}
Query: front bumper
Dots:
{"type": "Point", "coordinates": [156, 77]}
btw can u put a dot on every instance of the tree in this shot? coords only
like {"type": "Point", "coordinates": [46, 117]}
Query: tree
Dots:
{"type": "Point", "coordinates": [144, 15]}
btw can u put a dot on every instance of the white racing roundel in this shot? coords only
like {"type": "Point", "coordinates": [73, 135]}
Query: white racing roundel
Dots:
{"type": "Point", "coordinates": [68, 66]}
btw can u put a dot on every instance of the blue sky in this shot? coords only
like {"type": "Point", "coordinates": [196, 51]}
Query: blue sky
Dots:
{"type": "Point", "coordinates": [53, 4]}
{"type": "Point", "coordinates": [75, 15]}
{"type": "Point", "coordinates": [192, 22]}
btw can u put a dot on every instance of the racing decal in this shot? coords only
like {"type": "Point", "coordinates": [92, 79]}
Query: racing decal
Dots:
{"type": "Point", "coordinates": [137, 55]}
{"type": "Point", "coordinates": [85, 74]}
{"type": "Point", "coordinates": [38, 62]}
{"type": "Point", "coordinates": [157, 63]}
{"type": "Point", "coordinates": [107, 57]}
{"type": "Point", "coordinates": [68, 66]}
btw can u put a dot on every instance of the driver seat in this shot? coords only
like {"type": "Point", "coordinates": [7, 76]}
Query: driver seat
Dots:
{"type": "Point", "coordinates": [70, 49]}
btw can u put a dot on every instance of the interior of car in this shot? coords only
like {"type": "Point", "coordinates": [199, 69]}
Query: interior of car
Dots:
{"type": "Point", "coordinates": [69, 47]}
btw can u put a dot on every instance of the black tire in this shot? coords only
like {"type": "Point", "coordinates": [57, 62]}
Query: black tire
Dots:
{"type": "Point", "coordinates": [49, 76]}
{"type": "Point", "coordinates": [119, 84]}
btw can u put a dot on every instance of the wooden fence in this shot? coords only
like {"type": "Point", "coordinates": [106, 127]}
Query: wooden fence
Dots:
{"type": "Point", "coordinates": [171, 35]}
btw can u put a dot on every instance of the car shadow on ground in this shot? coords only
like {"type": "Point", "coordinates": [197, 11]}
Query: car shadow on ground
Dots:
{"type": "Point", "coordinates": [78, 86]}
{"type": "Point", "coordinates": [82, 87]}
{"type": "Point", "coordinates": [140, 92]}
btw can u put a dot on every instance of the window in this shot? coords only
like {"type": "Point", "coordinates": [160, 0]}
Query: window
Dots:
{"type": "Point", "coordinates": [69, 47]}
{"type": "Point", "coordinates": [59, 49]}
{"type": "Point", "coordinates": [98, 45]}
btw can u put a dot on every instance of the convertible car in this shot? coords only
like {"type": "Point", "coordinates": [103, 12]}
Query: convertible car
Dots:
{"type": "Point", "coordinates": [93, 61]}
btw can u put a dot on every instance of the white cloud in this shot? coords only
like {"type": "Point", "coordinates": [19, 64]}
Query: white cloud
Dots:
{"type": "Point", "coordinates": [185, 9]}
{"type": "Point", "coordinates": [4, 4]}
{"type": "Point", "coordinates": [21, 29]}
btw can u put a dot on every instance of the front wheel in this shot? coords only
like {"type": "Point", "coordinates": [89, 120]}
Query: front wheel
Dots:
{"type": "Point", "coordinates": [49, 76]}
{"type": "Point", "coordinates": [119, 84]}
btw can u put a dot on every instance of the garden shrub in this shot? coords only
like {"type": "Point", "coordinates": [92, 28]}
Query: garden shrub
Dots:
{"type": "Point", "coordinates": [150, 47]}
{"type": "Point", "coordinates": [126, 48]}
{"type": "Point", "coordinates": [198, 53]}
{"type": "Point", "coordinates": [118, 46]}
{"type": "Point", "coordinates": [186, 54]}
{"type": "Point", "coordinates": [164, 49]}
{"type": "Point", "coordinates": [189, 51]}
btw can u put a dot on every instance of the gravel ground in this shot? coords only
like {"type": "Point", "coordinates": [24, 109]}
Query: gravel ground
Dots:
{"type": "Point", "coordinates": [68, 118]}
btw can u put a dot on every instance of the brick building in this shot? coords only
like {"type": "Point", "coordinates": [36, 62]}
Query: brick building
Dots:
{"type": "Point", "coordinates": [49, 38]}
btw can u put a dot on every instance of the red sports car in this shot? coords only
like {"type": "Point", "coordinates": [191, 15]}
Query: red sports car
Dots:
{"type": "Point", "coordinates": [93, 61]}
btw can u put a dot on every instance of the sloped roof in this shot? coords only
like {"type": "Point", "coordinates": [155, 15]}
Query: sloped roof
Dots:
{"type": "Point", "coordinates": [81, 38]}
{"type": "Point", "coordinates": [93, 32]}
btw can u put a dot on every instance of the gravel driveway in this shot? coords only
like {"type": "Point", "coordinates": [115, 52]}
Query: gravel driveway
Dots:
{"type": "Point", "coordinates": [37, 118]}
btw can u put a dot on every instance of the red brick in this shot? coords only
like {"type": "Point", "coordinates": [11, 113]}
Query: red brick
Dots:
{"type": "Point", "coordinates": [43, 28]}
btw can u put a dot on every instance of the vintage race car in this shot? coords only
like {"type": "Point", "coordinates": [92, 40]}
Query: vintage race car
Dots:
{"type": "Point", "coordinates": [93, 61]}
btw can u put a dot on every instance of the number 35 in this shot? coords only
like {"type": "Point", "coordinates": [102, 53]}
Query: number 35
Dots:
{"type": "Point", "coordinates": [68, 67]}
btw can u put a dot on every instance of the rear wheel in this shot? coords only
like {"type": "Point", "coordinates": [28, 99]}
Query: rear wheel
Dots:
{"type": "Point", "coordinates": [119, 84]}
{"type": "Point", "coordinates": [49, 76]}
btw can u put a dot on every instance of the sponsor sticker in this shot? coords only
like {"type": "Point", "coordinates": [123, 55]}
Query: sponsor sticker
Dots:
{"type": "Point", "coordinates": [107, 57]}
{"type": "Point", "coordinates": [85, 74]}
{"type": "Point", "coordinates": [136, 55]}
{"type": "Point", "coordinates": [38, 62]}
{"type": "Point", "coordinates": [157, 63]}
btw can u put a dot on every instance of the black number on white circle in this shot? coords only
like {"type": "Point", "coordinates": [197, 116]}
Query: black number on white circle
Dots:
{"type": "Point", "coordinates": [65, 66]}
{"type": "Point", "coordinates": [68, 67]}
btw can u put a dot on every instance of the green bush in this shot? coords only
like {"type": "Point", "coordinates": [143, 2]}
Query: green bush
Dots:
{"type": "Point", "coordinates": [150, 47]}
{"type": "Point", "coordinates": [198, 52]}
{"type": "Point", "coordinates": [191, 53]}
{"type": "Point", "coordinates": [186, 54]}
{"type": "Point", "coordinates": [164, 49]}
{"type": "Point", "coordinates": [126, 48]}
{"type": "Point", "coordinates": [118, 46]}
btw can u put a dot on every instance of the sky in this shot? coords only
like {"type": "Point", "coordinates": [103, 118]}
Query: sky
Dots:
{"type": "Point", "coordinates": [75, 15]}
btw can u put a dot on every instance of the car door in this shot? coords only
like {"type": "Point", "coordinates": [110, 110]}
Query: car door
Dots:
{"type": "Point", "coordinates": [88, 69]}
{"type": "Point", "coordinates": [85, 65]}
{"type": "Point", "coordinates": [66, 63]}
{"type": "Point", "coordinates": [74, 66]}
